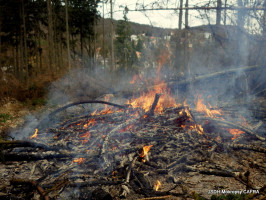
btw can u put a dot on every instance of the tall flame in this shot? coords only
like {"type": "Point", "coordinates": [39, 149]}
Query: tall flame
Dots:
{"type": "Point", "coordinates": [157, 185]}
{"type": "Point", "coordinates": [35, 134]}
{"type": "Point", "coordinates": [146, 99]}
{"type": "Point", "coordinates": [145, 151]}
{"type": "Point", "coordinates": [201, 107]}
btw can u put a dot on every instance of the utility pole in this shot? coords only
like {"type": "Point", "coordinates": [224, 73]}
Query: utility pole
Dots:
{"type": "Point", "coordinates": [112, 37]}
{"type": "Point", "coordinates": [67, 36]}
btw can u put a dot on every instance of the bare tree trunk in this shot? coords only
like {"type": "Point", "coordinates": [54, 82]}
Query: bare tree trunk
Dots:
{"type": "Point", "coordinates": [103, 37]}
{"type": "Point", "coordinates": [186, 14]}
{"type": "Point", "coordinates": [180, 15]}
{"type": "Point", "coordinates": [264, 19]}
{"type": "Point", "coordinates": [225, 5]}
{"type": "Point", "coordinates": [81, 45]}
{"type": "Point", "coordinates": [112, 37]}
{"type": "Point", "coordinates": [25, 42]}
{"type": "Point", "coordinates": [67, 36]}
{"type": "Point", "coordinates": [241, 42]}
{"type": "Point", "coordinates": [218, 12]}
{"type": "Point", "coordinates": [50, 35]}
{"type": "Point", "coordinates": [0, 44]}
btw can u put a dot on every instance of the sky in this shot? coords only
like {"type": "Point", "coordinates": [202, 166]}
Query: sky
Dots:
{"type": "Point", "coordinates": [165, 19]}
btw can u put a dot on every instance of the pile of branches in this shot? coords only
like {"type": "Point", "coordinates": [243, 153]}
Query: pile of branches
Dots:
{"type": "Point", "coordinates": [103, 156]}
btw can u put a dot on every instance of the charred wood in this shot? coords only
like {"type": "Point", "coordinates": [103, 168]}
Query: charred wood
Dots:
{"type": "Point", "coordinates": [248, 147]}
{"type": "Point", "coordinates": [33, 184]}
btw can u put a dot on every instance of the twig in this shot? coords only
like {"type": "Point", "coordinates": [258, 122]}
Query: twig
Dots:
{"type": "Point", "coordinates": [132, 164]}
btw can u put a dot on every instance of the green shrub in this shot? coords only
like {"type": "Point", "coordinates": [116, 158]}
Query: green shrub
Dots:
{"type": "Point", "coordinates": [4, 117]}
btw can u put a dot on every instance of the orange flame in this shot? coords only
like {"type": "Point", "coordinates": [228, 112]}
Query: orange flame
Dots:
{"type": "Point", "coordinates": [201, 107]}
{"type": "Point", "coordinates": [90, 122]}
{"type": "Point", "coordinates": [157, 185]}
{"type": "Point", "coordinates": [79, 160]}
{"type": "Point", "coordinates": [85, 135]}
{"type": "Point", "coordinates": [145, 151]}
{"type": "Point", "coordinates": [235, 132]}
{"type": "Point", "coordinates": [146, 99]}
{"type": "Point", "coordinates": [35, 134]}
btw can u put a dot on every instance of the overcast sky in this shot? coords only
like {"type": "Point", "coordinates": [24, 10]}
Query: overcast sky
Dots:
{"type": "Point", "coordinates": [166, 19]}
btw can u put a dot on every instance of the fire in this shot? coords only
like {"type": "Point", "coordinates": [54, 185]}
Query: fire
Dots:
{"type": "Point", "coordinates": [135, 79]}
{"type": "Point", "coordinates": [235, 132]}
{"type": "Point", "coordinates": [201, 107]}
{"type": "Point", "coordinates": [35, 134]}
{"type": "Point", "coordinates": [146, 99]}
{"type": "Point", "coordinates": [197, 127]}
{"type": "Point", "coordinates": [157, 185]}
{"type": "Point", "coordinates": [145, 151]}
{"type": "Point", "coordinates": [79, 160]}
{"type": "Point", "coordinates": [90, 122]}
{"type": "Point", "coordinates": [85, 135]}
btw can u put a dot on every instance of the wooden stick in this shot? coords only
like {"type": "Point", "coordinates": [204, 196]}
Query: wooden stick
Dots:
{"type": "Point", "coordinates": [153, 106]}
{"type": "Point", "coordinates": [30, 182]}
{"type": "Point", "coordinates": [20, 143]}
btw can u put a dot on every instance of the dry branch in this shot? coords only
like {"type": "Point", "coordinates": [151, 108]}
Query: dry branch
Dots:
{"type": "Point", "coordinates": [20, 143]}
{"type": "Point", "coordinates": [78, 103]}
{"type": "Point", "coordinates": [248, 147]}
{"type": "Point", "coordinates": [153, 106]}
{"type": "Point", "coordinates": [30, 182]}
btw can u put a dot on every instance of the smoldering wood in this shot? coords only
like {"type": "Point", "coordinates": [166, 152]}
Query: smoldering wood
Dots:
{"type": "Point", "coordinates": [153, 106]}
{"type": "Point", "coordinates": [19, 143]}
{"type": "Point", "coordinates": [34, 184]}
{"type": "Point", "coordinates": [178, 156]}
{"type": "Point", "coordinates": [49, 116]}
{"type": "Point", "coordinates": [238, 126]}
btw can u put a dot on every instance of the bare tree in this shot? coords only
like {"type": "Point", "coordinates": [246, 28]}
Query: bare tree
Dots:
{"type": "Point", "coordinates": [180, 15]}
{"type": "Point", "coordinates": [218, 13]}
{"type": "Point", "coordinates": [67, 36]}
{"type": "Point", "coordinates": [50, 34]}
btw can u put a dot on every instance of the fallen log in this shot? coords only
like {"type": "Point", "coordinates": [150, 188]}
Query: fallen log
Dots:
{"type": "Point", "coordinates": [195, 79]}
{"type": "Point", "coordinates": [20, 143]}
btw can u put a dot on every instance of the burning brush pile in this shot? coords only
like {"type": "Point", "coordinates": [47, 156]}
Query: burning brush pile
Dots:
{"type": "Point", "coordinates": [150, 147]}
